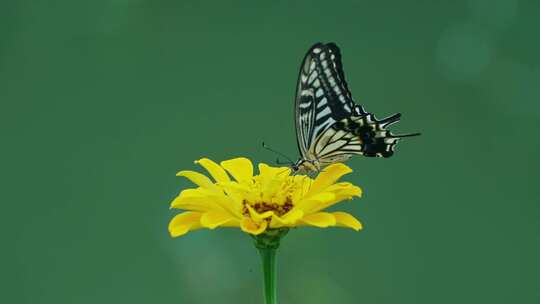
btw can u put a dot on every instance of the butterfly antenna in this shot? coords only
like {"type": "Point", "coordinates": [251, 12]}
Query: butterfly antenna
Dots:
{"type": "Point", "coordinates": [278, 153]}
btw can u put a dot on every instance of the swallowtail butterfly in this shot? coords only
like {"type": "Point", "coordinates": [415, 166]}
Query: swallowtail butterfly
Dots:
{"type": "Point", "coordinates": [330, 126]}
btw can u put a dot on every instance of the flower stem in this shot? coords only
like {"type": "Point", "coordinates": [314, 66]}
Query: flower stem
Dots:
{"type": "Point", "coordinates": [267, 243]}
{"type": "Point", "coordinates": [268, 259]}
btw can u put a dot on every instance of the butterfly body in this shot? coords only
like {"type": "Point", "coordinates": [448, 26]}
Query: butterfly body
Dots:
{"type": "Point", "coordinates": [330, 126]}
{"type": "Point", "coordinates": [306, 166]}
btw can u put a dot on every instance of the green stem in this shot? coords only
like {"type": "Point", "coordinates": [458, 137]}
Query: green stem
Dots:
{"type": "Point", "coordinates": [267, 243]}
{"type": "Point", "coordinates": [268, 259]}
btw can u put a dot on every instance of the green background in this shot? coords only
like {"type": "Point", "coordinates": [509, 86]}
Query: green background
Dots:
{"type": "Point", "coordinates": [102, 102]}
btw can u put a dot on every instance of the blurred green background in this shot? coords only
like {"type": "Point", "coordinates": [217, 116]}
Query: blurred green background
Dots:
{"type": "Point", "coordinates": [102, 102]}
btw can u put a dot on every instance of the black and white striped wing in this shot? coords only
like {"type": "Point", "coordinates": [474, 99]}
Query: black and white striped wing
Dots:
{"type": "Point", "coordinates": [322, 96]}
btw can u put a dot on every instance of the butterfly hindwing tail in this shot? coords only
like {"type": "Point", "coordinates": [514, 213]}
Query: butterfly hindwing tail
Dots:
{"type": "Point", "coordinates": [376, 140]}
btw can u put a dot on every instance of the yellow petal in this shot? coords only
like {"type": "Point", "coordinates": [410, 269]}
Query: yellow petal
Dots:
{"type": "Point", "coordinates": [287, 220]}
{"type": "Point", "coordinates": [234, 222]}
{"type": "Point", "coordinates": [240, 168]}
{"type": "Point", "coordinates": [270, 188]}
{"type": "Point", "coordinates": [204, 201]}
{"type": "Point", "coordinates": [199, 199]}
{"type": "Point", "coordinates": [194, 203]}
{"type": "Point", "coordinates": [328, 176]}
{"type": "Point", "coordinates": [344, 219]}
{"type": "Point", "coordinates": [230, 204]}
{"type": "Point", "coordinates": [199, 192]}
{"type": "Point", "coordinates": [303, 184]}
{"type": "Point", "coordinates": [184, 222]}
{"type": "Point", "coordinates": [198, 179]}
{"type": "Point", "coordinates": [235, 191]}
{"type": "Point", "coordinates": [268, 172]}
{"type": "Point", "coordinates": [316, 202]}
{"type": "Point", "coordinates": [344, 190]}
{"type": "Point", "coordinates": [214, 169]}
{"type": "Point", "coordinates": [249, 226]}
{"type": "Point", "coordinates": [344, 193]}
{"type": "Point", "coordinates": [292, 216]}
{"type": "Point", "coordinates": [271, 179]}
{"type": "Point", "coordinates": [320, 219]}
{"type": "Point", "coordinates": [215, 218]}
{"type": "Point", "coordinates": [259, 217]}
{"type": "Point", "coordinates": [235, 187]}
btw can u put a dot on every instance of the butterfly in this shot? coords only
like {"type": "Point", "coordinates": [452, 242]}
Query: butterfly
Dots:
{"type": "Point", "coordinates": [330, 126]}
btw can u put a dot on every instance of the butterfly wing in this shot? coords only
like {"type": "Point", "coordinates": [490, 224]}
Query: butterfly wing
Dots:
{"type": "Point", "coordinates": [335, 145]}
{"type": "Point", "coordinates": [322, 96]}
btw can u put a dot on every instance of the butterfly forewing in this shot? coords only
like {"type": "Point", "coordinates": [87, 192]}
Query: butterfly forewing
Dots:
{"type": "Point", "coordinates": [322, 96]}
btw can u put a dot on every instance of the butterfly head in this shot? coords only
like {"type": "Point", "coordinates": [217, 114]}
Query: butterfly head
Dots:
{"type": "Point", "coordinates": [306, 166]}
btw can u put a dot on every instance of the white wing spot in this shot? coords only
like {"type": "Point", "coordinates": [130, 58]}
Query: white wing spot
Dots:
{"type": "Point", "coordinates": [306, 93]}
{"type": "Point", "coordinates": [332, 81]}
{"type": "Point", "coordinates": [321, 103]}
{"type": "Point", "coordinates": [369, 119]}
{"type": "Point", "coordinates": [305, 105]}
{"type": "Point", "coordinates": [323, 113]}
{"type": "Point", "coordinates": [312, 77]}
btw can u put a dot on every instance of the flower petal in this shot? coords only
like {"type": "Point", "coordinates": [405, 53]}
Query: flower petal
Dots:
{"type": "Point", "coordinates": [216, 218]}
{"type": "Point", "coordinates": [344, 219]}
{"type": "Point", "coordinates": [316, 202]}
{"type": "Point", "coordinates": [287, 220]}
{"type": "Point", "coordinates": [270, 188]}
{"type": "Point", "coordinates": [194, 203]}
{"type": "Point", "coordinates": [340, 191]}
{"type": "Point", "coordinates": [198, 179]}
{"type": "Point", "coordinates": [344, 190]}
{"type": "Point", "coordinates": [184, 222]}
{"type": "Point", "coordinates": [249, 226]}
{"type": "Point", "coordinates": [240, 168]}
{"type": "Point", "coordinates": [268, 172]}
{"type": "Point", "coordinates": [319, 219]}
{"type": "Point", "coordinates": [292, 216]}
{"type": "Point", "coordinates": [204, 201]}
{"type": "Point", "coordinates": [214, 169]}
{"type": "Point", "coordinates": [328, 176]}
{"type": "Point", "coordinates": [259, 217]}
{"type": "Point", "coordinates": [303, 184]}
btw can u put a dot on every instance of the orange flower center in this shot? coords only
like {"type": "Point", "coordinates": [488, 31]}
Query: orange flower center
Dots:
{"type": "Point", "coordinates": [262, 207]}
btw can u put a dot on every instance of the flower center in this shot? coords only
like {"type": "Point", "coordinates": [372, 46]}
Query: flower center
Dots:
{"type": "Point", "coordinates": [261, 207]}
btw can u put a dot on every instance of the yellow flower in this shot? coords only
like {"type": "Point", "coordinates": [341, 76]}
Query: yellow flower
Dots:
{"type": "Point", "coordinates": [272, 199]}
